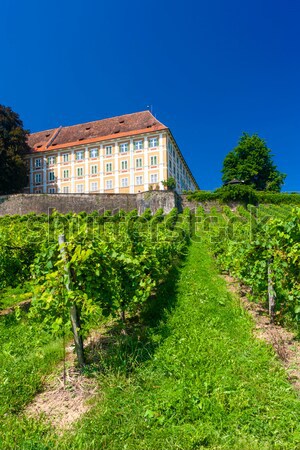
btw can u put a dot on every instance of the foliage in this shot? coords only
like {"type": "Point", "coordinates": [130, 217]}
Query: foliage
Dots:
{"type": "Point", "coordinates": [170, 183]}
{"type": "Point", "coordinates": [115, 270]}
{"type": "Point", "coordinates": [237, 192]}
{"type": "Point", "coordinates": [13, 146]}
{"type": "Point", "coordinates": [251, 162]}
{"type": "Point", "coordinates": [189, 383]}
{"type": "Point", "coordinates": [246, 243]}
{"type": "Point", "coordinates": [244, 194]}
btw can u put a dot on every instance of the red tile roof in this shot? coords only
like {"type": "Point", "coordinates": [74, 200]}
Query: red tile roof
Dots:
{"type": "Point", "coordinates": [120, 126]}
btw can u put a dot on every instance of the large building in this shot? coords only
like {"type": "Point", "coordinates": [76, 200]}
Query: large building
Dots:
{"type": "Point", "coordinates": [124, 154]}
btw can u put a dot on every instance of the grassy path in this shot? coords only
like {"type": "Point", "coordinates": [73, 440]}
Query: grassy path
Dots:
{"type": "Point", "coordinates": [199, 380]}
{"type": "Point", "coordinates": [209, 384]}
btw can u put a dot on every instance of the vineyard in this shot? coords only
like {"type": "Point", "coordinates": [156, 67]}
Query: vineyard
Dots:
{"type": "Point", "coordinates": [150, 281]}
{"type": "Point", "coordinates": [261, 248]}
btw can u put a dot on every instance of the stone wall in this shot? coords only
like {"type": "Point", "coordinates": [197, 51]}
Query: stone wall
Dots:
{"type": "Point", "coordinates": [64, 203]}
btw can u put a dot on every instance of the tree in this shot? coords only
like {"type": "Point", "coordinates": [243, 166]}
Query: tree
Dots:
{"type": "Point", "coordinates": [13, 146]}
{"type": "Point", "coordinates": [170, 183]}
{"type": "Point", "coordinates": [251, 162]}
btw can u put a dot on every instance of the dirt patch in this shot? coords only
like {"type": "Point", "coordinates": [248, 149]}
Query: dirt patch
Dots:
{"type": "Point", "coordinates": [24, 306]}
{"type": "Point", "coordinates": [66, 396]}
{"type": "Point", "coordinates": [283, 341]}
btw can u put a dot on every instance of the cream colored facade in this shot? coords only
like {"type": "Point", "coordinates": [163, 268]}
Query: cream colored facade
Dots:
{"type": "Point", "coordinates": [130, 164]}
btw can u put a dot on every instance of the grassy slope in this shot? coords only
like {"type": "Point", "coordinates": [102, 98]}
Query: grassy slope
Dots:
{"type": "Point", "coordinates": [208, 385]}
{"type": "Point", "coordinates": [198, 380]}
{"type": "Point", "coordinates": [26, 354]}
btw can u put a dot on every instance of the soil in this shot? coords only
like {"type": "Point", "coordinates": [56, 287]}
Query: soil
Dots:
{"type": "Point", "coordinates": [284, 342]}
{"type": "Point", "coordinates": [66, 396]}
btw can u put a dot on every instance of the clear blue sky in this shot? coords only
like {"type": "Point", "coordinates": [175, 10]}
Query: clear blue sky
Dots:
{"type": "Point", "coordinates": [210, 69]}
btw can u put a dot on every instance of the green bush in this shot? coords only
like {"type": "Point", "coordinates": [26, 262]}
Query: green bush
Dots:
{"type": "Point", "coordinates": [238, 193]}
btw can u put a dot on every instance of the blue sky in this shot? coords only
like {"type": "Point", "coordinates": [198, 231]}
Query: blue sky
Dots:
{"type": "Point", "coordinates": [210, 70]}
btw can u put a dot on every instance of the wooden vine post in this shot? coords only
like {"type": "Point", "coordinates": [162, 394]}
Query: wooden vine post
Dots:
{"type": "Point", "coordinates": [73, 309]}
{"type": "Point", "coordinates": [271, 292]}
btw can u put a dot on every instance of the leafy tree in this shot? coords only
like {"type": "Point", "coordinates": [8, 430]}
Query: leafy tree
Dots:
{"type": "Point", "coordinates": [170, 183]}
{"type": "Point", "coordinates": [251, 162]}
{"type": "Point", "coordinates": [13, 145]}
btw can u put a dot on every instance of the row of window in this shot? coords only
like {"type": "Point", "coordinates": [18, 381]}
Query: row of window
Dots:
{"type": "Point", "coordinates": [94, 169]}
{"type": "Point", "coordinates": [94, 152]}
{"type": "Point", "coordinates": [109, 184]}
{"type": "Point", "coordinates": [124, 181]}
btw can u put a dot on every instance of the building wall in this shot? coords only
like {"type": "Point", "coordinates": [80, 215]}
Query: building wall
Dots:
{"type": "Point", "coordinates": [124, 166]}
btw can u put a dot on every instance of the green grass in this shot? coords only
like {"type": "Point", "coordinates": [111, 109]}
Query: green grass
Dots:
{"type": "Point", "coordinates": [27, 354]}
{"type": "Point", "coordinates": [195, 379]}
{"type": "Point", "coordinates": [12, 296]}
{"type": "Point", "coordinates": [208, 385]}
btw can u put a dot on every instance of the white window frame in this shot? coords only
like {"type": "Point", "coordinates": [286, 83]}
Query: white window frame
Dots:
{"type": "Point", "coordinates": [94, 152]}
{"type": "Point", "coordinates": [109, 184]}
{"type": "Point", "coordinates": [108, 150]}
{"type": "Point", "coordinates": [66, 157]}
{"type": "Point", "coordinates": [38, 178]}
{"type": "Point", "coordinates": [138, 145]}
{"type": "Point", "coordinates": [139, 180]}
{"type": "Point", "coordinates": [94, 186]}
{"type": "Point", "coordinates": [124, 165]}
{"type": "Point", "coordinates": [108, 167]}
{"type": "Point", "coordinates": [94, 169]}
{"type": "Point", "coordinates": [124, 182]}
{"type": "Point", "coordinates": [51, 161]}
{"type": "Point", "coordinates": [139, 163]}
{"type": "Point", "coordinates": [66, 173]}
{"type": "Point", "coordinates": [153, 160]}
{"type": "Point", "coordinates": [153, 142]}
{"type": "Point", "coordinates": [79, 171]}
{"type": "Point", "coordinates": [79, 155]}
{"type": "Point", "coordinates": [79, 188]}
{"type": "Point", "coordinates": [38, 163]}
{"type": "Point", "coordinates": [153, 178]}
{"type": "Point", "coordinates": [51, 176]}
{"type": "Point", "coordinates": [66, 189]}
{"type": "Point", "coordinates": [124, 147]}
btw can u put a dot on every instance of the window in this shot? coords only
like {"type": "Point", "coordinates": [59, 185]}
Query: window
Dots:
{"type": "Point", "coordinates": [65, 157]}
{"type": "Point", "coordinates": [138, 145]}
{"type": "Point", "coordinates": [51, 190]}
{"type": "Point", "coordinates": [80, 171]}
{"type": "Point", "coordinates": [79, 155]}
{"type": "Point", "coordinates": [38, 178]}
{"type": "Point", "coordinates": [51, 160]}
{"type": "Point", "coordinates": [153, 142]}
{"type": "Point", "coordinates": [153, 178]}
{"type": "Point", "coordinates": [124, 165]}
{"type": "Point", "coordinates": [79, 188]}
{"type": "Point", "coordinates": [153, 161]}
{"type": "Point", "coordinates": [138, 163]}
{"type": "Point", "coordinates": [94, 170]}
{"type": "Point", "coordinates": [66, 189]}
{"type": "Point", "coordinates": [109, 184]}
{"type": "Point", "coordinates": [38, 163]}
{"type": "Point", "coordinates": [109, 167]}
{"type": "Point", "coordinates": [124, 147]}
{"type": "Point", "coordinates": [139, 180]}
{"type": "Point", "coordinates": [51, 176]}
{"type": "Point", "coordinates": [94, 153]}
{"type": "Point", "coordinates": [124, 182]}
{"type": "Point", "coordinates": [65, 174]}
{"type": "Point", "coordinates": [108, 150]}
{"type": "Point", "coordinates": [94, 186]}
